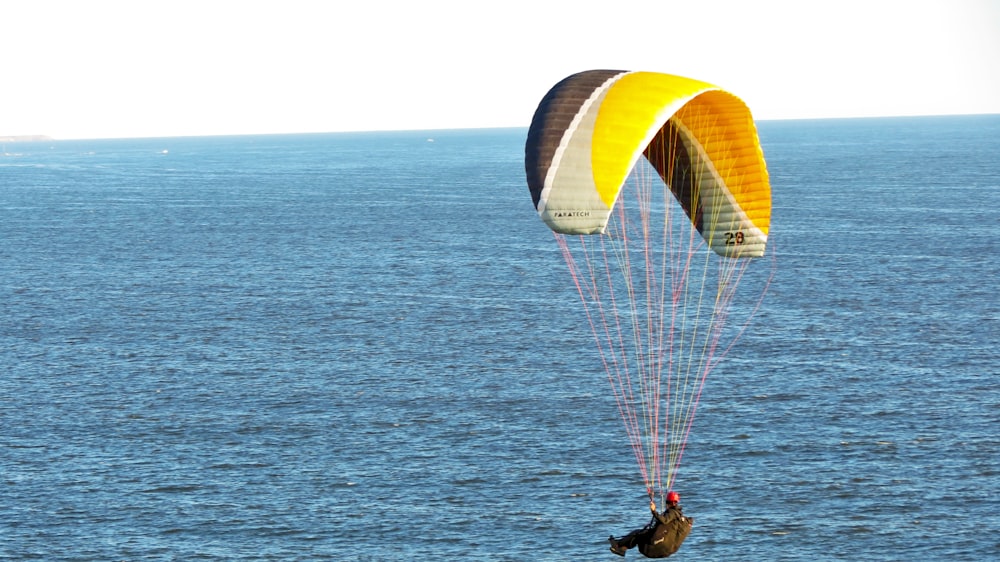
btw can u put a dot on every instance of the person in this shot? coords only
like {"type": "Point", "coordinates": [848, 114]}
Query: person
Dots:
{"type": "Point", "coordinates": [662, 536]}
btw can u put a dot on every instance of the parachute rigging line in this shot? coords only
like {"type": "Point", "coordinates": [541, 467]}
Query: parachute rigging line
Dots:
{"type": "Point", "coordinates": [657, 307]}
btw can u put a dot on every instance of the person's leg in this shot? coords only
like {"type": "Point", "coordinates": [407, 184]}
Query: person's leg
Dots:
{"type": "Point", "coordinates": [630, 540]}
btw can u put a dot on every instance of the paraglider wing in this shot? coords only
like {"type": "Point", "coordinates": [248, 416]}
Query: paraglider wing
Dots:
{"type": "Point", "coordinates": [639, 174]}
{"type": "Point", "coordinates": [591, 128]}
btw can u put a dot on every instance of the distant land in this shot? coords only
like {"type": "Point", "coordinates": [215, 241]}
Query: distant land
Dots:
{"type": "Point", "coordinates": [24, 138]}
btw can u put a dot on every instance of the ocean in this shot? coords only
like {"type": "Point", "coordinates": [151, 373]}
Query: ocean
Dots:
{"type": "Point", "coordinates": [366, 346]}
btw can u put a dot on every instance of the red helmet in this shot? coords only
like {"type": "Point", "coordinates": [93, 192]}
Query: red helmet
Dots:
{"type": "Point", "coordinates": [673, 497]}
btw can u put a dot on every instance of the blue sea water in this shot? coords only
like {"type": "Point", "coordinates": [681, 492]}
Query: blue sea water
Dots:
{"type": "Point", "coordinates": [367, 347]}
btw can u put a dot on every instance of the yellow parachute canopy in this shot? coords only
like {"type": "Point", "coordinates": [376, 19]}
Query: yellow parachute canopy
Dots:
{"type": "Point", "coordinates": [591, 128]}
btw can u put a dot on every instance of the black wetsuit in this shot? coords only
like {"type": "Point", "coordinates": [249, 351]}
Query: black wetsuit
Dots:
{"type": "Point", "coordinates": [661, 537]}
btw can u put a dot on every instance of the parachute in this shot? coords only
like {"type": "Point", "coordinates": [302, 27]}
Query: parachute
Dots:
{"type": "Point", "coordinates": [657, 246]}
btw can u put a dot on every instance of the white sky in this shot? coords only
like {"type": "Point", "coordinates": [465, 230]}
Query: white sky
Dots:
{"type": "Point", "coordinates": [138, 68]}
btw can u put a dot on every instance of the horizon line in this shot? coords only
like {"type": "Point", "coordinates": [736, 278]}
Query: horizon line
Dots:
{"type": "Point", "coordinates": [50, 138]}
